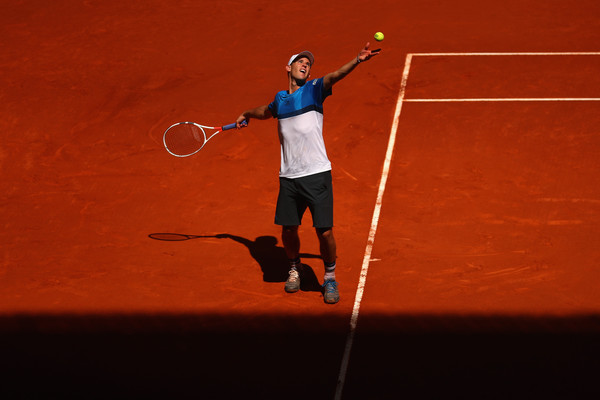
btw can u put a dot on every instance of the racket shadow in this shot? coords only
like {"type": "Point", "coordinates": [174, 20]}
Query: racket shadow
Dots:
{"type": "Point", "coordinates": [265, 250]}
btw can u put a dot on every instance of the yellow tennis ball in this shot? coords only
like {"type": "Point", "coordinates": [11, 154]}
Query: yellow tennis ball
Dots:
{"type": "Point", "coordinates": [379, 36]}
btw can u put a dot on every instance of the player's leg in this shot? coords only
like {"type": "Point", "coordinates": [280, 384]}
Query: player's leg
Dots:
{"type": "Point", "coordinates": [318, 190]}
{"type": "Point", "coordinates": [288, 214]}
{"type": "Point", "coordinates": [291, 244]}
{"type": "Point", "coordinates": [291, 241]}
{"type": "Point", "coordinates": [327, 245]}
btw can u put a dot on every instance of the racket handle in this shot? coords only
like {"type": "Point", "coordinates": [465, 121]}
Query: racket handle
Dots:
{"type": "Point", "coordinates": [231, 126]}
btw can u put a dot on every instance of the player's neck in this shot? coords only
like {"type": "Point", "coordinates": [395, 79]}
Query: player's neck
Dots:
{"type": "Point", "coordinates": [295, 84]}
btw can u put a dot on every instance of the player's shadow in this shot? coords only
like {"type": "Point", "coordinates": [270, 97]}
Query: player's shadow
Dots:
{"type": "Point", "coordinates": [264, 249]}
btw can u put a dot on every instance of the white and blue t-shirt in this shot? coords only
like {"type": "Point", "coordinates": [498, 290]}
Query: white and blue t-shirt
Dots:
{"type": "Point", "coordinates": [300, 123]}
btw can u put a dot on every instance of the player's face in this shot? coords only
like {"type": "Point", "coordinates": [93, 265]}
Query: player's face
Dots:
{"type": "Point", "coordinates": [300, 69]}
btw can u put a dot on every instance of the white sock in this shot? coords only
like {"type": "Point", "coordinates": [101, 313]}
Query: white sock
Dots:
{"type": "Point", "coordinates": [330, 271]}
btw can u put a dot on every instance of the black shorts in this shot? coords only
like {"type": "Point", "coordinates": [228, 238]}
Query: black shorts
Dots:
{"type": "Point", "coordinates": [314, 192]}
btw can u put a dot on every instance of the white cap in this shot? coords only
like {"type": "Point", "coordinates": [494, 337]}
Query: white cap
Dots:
{"type": "Point", "coordinates": [306, 54]}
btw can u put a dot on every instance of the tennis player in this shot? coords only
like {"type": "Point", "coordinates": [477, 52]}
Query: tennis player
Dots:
{"type": "Point", "coordinates": [305, 173]}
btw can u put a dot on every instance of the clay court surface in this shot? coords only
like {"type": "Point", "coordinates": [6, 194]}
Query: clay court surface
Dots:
{"type": "Point", "coordinates": [480, 274]}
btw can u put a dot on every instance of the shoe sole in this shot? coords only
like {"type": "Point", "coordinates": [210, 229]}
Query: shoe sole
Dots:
{"type": "Point", "coordinates": [332, 301]}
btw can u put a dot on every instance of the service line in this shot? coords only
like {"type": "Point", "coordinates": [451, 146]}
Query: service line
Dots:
{"type": "Point", "coordinates": [501, 99]}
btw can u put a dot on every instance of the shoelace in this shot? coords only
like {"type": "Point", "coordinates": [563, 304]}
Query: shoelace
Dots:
{"type": "Point", "coordinates": [330, 286]}
{"type": "Point", "coordinates": [293, 275]}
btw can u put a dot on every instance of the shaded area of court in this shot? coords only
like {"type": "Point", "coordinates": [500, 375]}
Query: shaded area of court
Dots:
{"type": "Point", "coordinates": [474, 357]}
{"type": "Point", "coordinates": [221, 357]}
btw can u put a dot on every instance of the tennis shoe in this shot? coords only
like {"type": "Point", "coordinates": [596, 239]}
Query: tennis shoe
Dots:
{"type": "Point", "coordinates": [330, 292]}
{"type": "Point", "coordinates": [292, 284]}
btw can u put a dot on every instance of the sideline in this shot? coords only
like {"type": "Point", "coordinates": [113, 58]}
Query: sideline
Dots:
{"type": "Point", "coordinates": [374, 222]}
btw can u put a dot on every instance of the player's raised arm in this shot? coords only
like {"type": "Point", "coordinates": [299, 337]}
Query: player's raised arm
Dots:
{"type": "Point", "coordinates": [365, 54]}
{"type": "Point", "coordinates": [260, 112]}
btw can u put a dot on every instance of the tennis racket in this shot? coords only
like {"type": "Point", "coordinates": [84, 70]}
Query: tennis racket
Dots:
{"type": "Point", "coordinates": [184, 139]}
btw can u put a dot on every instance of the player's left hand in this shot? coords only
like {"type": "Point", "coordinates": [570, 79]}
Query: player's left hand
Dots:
{"type": "Point", "coordinates": [366, 54]}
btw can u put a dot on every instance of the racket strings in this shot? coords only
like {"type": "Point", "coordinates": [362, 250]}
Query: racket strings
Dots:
{"type": "Point", "coordinates": [184, 139]}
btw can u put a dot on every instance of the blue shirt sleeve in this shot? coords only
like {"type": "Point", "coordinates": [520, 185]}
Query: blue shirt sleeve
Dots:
{"type": "Point", "coordinates": [320, 89]}
{"type": "Point", "coordinates": [274, 105]}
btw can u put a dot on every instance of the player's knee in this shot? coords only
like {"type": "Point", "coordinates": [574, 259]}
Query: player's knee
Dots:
{"type": "Point", "coordinates": [325, 232]}
{"type": "Point", "coordinates": [289, 229]}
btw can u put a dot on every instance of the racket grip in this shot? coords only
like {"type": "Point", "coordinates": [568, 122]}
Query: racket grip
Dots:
{"type": "Point", "coordinates": [231, 126]}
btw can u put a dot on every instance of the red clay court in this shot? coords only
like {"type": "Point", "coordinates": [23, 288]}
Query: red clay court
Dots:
{"type": "Point", "coordinates": [465, 168]}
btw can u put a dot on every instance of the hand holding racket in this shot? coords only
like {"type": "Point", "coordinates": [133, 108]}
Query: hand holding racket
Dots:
{"type": "Point", "coordinates": [184, 139]}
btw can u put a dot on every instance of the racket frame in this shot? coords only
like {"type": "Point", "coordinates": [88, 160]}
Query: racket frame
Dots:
{"type": "Point", "coordinates": [202, 129]}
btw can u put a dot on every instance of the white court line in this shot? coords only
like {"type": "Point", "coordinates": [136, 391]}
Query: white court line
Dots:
{"type": "Point", "coordinates": [371, 239]}
{"type": "Point", "coordinates": [531, 99]}
{"type": "Point", "coordinates": [567, 53]}
{"type": "Point", "coordinates": [506, 99]}
{"type": "Point", "coordinates": [385, 172]}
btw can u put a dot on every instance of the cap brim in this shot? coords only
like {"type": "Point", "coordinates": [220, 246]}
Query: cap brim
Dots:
{"type": "Point", "coordinates": [306, 54]}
